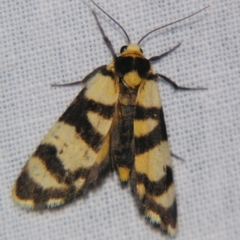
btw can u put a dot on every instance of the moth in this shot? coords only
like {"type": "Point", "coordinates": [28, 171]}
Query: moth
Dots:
{"type": "Point", "coordinates": [117, 119]}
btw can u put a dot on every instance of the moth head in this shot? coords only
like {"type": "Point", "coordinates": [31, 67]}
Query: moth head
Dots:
{"type": "Point", "coordinates": [131, 49]}
{"type": "Point", "coordinates": [134, 48]}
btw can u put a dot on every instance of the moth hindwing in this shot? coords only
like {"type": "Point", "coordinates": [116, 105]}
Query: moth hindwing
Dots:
{"type": "Point", "coordinates": [117, 119]}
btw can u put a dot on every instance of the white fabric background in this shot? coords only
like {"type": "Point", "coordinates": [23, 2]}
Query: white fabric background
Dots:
{"type": "Point", "coordinates": [43, 42]}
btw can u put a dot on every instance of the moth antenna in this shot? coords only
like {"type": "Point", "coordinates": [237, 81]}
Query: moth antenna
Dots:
{"type": "Point", "coordinates": [112, 20]}
{"type": "Point", "coordinates": [107, 41]}
{"type": "Point", "coordinates": [179, 20]}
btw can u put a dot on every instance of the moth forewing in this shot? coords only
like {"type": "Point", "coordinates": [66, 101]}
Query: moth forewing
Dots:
{"type": "Point", "coordinates": [75, 150]}
{"type": "Point", "coordinates": [152, 176]}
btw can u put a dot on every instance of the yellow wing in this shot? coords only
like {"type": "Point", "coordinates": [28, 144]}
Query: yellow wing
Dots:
{"type": "Point", "coordinates": [74, 151]}
{"type": "Point", "coordinates": [152, 177]}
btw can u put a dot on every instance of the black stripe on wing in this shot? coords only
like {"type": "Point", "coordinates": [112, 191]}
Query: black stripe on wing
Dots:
{"type": "Point", "coordinates": [27, 189]}
{"type": "Point", "coordinates": [158, 134]}
{"type": "Point", "coordinates": [156, 188]}
{"type": "Point", "coordinates": [76, 115]}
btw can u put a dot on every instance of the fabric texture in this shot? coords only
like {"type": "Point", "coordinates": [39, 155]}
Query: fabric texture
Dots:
{"type": "Point", "coordinates": [45, 42]}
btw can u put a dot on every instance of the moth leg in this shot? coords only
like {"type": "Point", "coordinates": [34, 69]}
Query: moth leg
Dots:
{"type": "Point", "coordinates": [177, 157]}
{"type": "Point", "coordinates": [155, 58]}
{"type": "Point", "coordinates": [174, 85]}
{"type": "Point", "coordinates": [84, 80]}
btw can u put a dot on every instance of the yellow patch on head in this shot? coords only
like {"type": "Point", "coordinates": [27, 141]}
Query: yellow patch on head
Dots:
{"type": "Point", "coordinates": [133, 50]}
{"type": "Point", "coordinates": [132, 79]}
{"type": "Point", "coordinates": [124, 173]}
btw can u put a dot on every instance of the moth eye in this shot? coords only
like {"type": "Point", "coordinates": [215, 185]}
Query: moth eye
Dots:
{"type": "Point", "coordinates": [141, 50]}
{"type": "Point", "coordinates": [123, 48]}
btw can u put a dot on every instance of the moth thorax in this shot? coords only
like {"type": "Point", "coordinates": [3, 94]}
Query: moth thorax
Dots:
{"type": "Point", "coordinates": [132, 79]}
{"type": "Point", "coordinates": [132, 69]}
